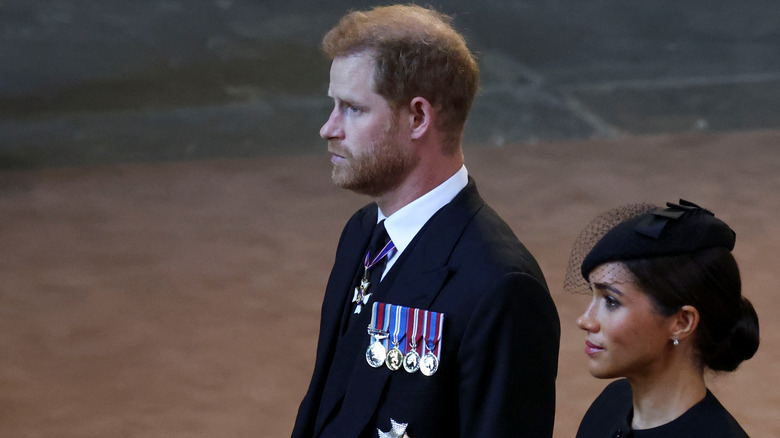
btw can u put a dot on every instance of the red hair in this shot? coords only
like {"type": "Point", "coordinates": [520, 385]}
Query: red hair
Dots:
{"type": "Point", "coordinates": [417, 53]}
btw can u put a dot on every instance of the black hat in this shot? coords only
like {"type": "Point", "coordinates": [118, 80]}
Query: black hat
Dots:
{"type": "Point", "coordinates": [678, 229]}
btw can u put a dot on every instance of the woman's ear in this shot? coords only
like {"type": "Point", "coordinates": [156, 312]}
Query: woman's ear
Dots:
{"type": "Point", "coordinates": [420, 117]}
{"type": "Point", "coordinates": [685, 322]}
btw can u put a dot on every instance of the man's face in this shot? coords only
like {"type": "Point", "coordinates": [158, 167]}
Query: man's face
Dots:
{"type": "Point", "coordinates": [363, 132]}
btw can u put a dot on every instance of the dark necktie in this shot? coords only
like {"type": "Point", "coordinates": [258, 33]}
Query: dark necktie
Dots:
{"type": "Point", "coordinates": [369, 277]}
{"type": "Point", "coordinates": [374, 263]}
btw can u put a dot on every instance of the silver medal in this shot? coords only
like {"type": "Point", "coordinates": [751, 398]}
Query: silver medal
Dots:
{"type": "Point", "coordinates": [376, 354]}
{"type": "Point", "coordinates": [429, 364]}
{"type": "Point", "coordinates": [398, 430]}
{"type": "Point", "coordinates": [412, 361]}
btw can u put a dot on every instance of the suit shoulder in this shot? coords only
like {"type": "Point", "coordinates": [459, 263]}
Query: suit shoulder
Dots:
{"type": "Point", "coordinates": [490, 243]}
{"type": "Point", "coordinates": [365, 212]}
{"type": "Point", "coordinates": [359, 218]}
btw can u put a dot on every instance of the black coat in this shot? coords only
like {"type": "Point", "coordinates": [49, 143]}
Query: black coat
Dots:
{"type": "Point", "coordinates": [610, 417]}
{"type": "Point", "coordinates": [500, 338]}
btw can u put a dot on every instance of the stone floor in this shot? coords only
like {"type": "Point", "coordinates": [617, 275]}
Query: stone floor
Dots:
{"type": "Point", "coordinates": [182, 299]}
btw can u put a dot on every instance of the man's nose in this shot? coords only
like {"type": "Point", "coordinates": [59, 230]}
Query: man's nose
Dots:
{"type": "Point", "coordinates": [332, 128]}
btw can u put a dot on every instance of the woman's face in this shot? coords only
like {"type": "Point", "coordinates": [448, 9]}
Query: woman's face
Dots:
{"type": "Point", "coordinates": [626, 337]}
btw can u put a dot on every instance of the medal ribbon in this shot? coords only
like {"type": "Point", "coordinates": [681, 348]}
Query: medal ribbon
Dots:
{"type": "Point", "coordinates": [379, 319]}
{"type": "Point", "coordinates": [433, 327]}
{"type": "Point", "coordinates": [389, 246]}
{"type": "Point", "coordinates": [386, 324]}
{"type": "Point", "coordinates": [374, 316]}
{"type": "Point", "coordinates": [415, 323]}
{"type": "Point", "coordinates": [421, 327]}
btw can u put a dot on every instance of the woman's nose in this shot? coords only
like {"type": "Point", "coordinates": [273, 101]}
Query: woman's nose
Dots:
{"type": "Point", "coordinates": [587, 322]}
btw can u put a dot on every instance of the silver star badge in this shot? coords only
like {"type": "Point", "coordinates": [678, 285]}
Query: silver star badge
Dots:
{"type": "Point", "coordinates": [397, 431]}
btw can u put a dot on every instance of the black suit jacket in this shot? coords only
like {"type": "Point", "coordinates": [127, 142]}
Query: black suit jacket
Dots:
{"type": "Point", "coordinates": [500, 339]}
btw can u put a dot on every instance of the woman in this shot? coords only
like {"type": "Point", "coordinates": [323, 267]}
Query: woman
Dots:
{"type": "Point", "coordinates": [666, 306]}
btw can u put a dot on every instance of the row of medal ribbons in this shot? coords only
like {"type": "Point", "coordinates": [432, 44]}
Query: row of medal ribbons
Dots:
{"type": "Point", "coordinates": [405, 337]}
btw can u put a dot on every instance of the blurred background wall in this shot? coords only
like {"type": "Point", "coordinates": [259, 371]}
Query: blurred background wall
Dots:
{"type": "Point", "coordinates": [85, 81]}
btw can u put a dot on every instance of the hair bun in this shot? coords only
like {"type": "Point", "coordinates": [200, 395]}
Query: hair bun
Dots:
{"type": "Point", "coordinates": [739, 345]}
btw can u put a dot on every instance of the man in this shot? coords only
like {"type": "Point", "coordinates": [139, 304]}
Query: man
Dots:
{"type": "Point", "coordinates": [452, 294]}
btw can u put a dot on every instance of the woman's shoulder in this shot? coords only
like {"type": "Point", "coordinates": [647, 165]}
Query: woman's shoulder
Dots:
{"type": "Point", "coordinates": [609, 413]}
{"type": "Point", "coordinates": [616, 394]}
{"type": "Point", "coordinates": [708, 418]}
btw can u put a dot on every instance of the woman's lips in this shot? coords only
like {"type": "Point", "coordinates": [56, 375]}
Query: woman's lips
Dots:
{"type": "Point", "coordinates": [591, 348]}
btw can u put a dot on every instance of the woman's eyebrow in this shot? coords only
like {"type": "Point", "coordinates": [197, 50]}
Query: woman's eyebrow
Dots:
{"type": "Point", "coordinates": [607, 286]}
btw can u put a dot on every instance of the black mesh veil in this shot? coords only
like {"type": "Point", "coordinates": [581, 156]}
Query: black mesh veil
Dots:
{"type": "Point", "coordinates": [575, 281]}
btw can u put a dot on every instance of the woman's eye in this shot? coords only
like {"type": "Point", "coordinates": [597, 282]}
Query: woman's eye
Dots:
{"type": "Point", "coordinates": [611, 302]}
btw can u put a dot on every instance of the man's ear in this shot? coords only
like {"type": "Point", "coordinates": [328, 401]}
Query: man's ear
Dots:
{"type": "Point", "coordinates": [420, 117]}
{"type": "Point", "coordinates": [685, 322]}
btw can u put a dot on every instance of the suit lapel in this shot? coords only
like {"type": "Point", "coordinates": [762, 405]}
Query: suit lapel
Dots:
{"type": "Point", "coordinates": [418, 282]}
{"type": "Point", "coordinates": [426, 270]}
{"type": "Point", "coordinates": [346, 268]}
{"type": "Point", "coordinates": [336, 309]}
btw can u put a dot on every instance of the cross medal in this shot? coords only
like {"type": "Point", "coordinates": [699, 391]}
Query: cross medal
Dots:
{"type": "Point", "coordinates": [361, 297]}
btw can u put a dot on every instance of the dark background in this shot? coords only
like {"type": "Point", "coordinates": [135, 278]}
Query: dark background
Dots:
{"type": "Point", "coordinates": [85, 82]}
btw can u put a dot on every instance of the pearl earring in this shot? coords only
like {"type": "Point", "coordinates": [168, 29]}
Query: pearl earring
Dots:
{"type": "Point", "coordinates": [676, 342]}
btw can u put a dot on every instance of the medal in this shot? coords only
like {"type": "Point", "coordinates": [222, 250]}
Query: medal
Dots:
{"type": "Point", "coordinates": [397, 320]}
{"type": "Point", "coordinates": [361, 297]}
{"type": "Point", "coordinates": [412, 361]}
{"type": "Point", "coordinates": [412, 358]}
{"type": "Point", "coordinates": [429, 364]}
{"type": "Point", "coordinates": [361, 294]}
{"type": "Point", "coordinates": [394, 359]}
{"type": "Point", "coordinates": [397, 430]}
{"type": "Point", "coordinates": [433, 323]}
{"type": "Point", "coordinates": [376, 354]}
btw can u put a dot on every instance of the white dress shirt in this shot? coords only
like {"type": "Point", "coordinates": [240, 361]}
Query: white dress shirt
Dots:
{"type": "Point", "coordinates": [405, 223]}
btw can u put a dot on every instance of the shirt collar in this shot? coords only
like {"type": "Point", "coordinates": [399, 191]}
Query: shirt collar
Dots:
{"type": "Point", "coordinates": [405, 223]}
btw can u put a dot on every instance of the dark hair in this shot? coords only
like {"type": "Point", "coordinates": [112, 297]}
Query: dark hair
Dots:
{"type": "Point", "coordinates": [417, 53]}
{"type": "Point", "coordinates": [708, 280]}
